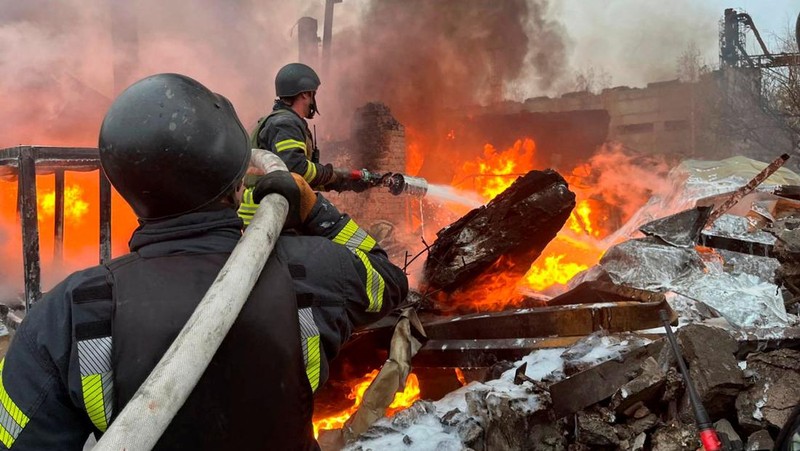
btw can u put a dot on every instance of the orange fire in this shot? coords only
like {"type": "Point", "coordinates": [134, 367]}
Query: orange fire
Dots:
{"type": "Point", "coordinates": [357, 388]}
{"type": "Point", "coordinates": [75, 207]}
{"type": "Point", "coordinates": [495, 171]}
{"type": "Point", "coordinates": [460, 376]}
{"type": "Point", "coordinates": [575, 249]}
{"type": "Point", "coordinates": [81, 227]}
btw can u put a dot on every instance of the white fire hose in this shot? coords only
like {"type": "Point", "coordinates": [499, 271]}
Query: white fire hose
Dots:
{"type": "Point", "coordinates": [158, 399]}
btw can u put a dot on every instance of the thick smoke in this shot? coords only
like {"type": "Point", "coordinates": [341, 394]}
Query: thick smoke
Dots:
{"type": "Point", "coordinates": [421, 57]}
{"type": "Point", "coordinates": [637, 42]}
{"type": "Point", "coordinates": [57, 59]}
{"type": "Point", "coordinates": [427, 59]}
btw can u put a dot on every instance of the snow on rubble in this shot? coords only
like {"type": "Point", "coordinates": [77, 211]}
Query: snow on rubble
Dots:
{"type": "Point", "coordinates": [446, 424]}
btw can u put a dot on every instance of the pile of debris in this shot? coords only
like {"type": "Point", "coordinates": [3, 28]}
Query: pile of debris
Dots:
{"type": "Point", "coordinates": [631, 397]}
{"type": "Point", "coordinates": [590, 369]}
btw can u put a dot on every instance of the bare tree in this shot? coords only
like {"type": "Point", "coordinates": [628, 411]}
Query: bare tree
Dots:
{"type": "Point", "coordinates": [690, 64]}
{"type": "Point", "coordinates": [591, 79]}
{"type": "Point", "coordinates": [781, 85]}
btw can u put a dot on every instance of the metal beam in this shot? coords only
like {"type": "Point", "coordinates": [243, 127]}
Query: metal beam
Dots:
{"type": "Point", "coordinates": [308, 41]}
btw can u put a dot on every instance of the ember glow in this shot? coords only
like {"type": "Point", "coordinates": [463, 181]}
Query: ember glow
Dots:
{"type": "Point", "coordinates": [460, 376]}
{"type": "Point", "coordinates": [357, 389]}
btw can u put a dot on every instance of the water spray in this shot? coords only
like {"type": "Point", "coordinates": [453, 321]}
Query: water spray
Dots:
{"type": "Point", "coordinates": [398, 184]}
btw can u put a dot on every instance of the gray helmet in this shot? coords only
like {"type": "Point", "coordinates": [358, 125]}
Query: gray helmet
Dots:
{"type": "Point", "coordinates": [170, 146]}
{"type": "Point", "coordinates": [295, 78]}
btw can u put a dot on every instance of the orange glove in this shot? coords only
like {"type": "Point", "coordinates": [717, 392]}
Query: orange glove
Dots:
{"type": "Point", "coordinates": [294, 188]}
{"type": "Point", "coordinates": [308, 198]}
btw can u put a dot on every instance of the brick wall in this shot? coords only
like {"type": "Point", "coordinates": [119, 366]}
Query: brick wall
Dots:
{"type": "Point", "coordinates": [377, 143]}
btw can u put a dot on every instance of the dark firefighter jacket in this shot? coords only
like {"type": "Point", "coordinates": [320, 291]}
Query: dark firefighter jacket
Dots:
{"type": "Point", "coordinates": [284, 132]}
{"type": "Point", "coordinates": [82, 351]}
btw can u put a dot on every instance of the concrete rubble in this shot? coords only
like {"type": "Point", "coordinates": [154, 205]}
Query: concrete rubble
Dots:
{"type": "Point", "coordinates": [735, 288]}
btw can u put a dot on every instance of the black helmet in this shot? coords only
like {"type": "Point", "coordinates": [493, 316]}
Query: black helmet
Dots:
{"type": "Point", "coordinates": [295, 78]}
{"type": "Point", "coordinates": [170, 146]}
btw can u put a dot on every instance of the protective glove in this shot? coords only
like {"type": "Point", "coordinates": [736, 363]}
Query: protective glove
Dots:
{"type": "Point", "coordinates": [354, 185]}
{"type": "Point", "coordinates": [343, 181]}
{"type": "Point", "coordinates": [294, 188]}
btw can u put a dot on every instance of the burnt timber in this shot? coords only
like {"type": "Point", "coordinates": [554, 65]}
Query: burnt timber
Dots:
{"type": "Point", "coordinates": [516, 224]}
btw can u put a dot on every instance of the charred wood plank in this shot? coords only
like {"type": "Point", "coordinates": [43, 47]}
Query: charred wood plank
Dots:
{"type": "Point", "coordinates": [105, 217]}
{"type": "Point", "coordinates": [517, 224]}
{"type": "Point", "coordinates": [600, 382]}
{"type": "Point", "coordinates": [30, 226]}
{"type": "Point", "coordinates": [569, 320]}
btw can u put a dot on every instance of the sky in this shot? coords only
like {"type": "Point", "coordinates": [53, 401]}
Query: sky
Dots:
{"type": "Point", "coordinates": [637, 41]}
{"type": "Point", "coordinates": [632, 41]}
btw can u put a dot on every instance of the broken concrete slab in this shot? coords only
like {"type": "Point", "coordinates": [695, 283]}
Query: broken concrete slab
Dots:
{"type": "Point", "coordinates": [675, 436]}
{"type": "Point", "coordinates": [648, 385]}
{"type": "Point", "coordinates": [775, 391]}
{"type": "Point", "coordinates": [506, 417]}
{"type": "Point", "coordinates": [593, 430]}
{"type": "Point", "coordinates": [549, 437]}
{"type": "Point", "coordinates": [760, 441]}
{"type": "Point", "coordinates": [641, 425]}
{"type": "Point", "coordinates": [713, 368]}
{"type": "Point", "coordinates": [727, 434]}
{"type": "Point", "coordinates": [600, 382]}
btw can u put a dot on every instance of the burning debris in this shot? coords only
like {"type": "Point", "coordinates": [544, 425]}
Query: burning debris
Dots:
{"type": "Point", "coordinates": [515, 225]}
{"type": "Point", "coordinates": [611, 389]}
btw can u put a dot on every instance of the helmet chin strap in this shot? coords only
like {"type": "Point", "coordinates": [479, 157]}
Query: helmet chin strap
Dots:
{"type": "Point", "coordinates": [312, 107]}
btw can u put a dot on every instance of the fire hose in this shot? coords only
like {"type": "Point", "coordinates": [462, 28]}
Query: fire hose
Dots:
{"type": "Point", "coordinates": [152, 408]}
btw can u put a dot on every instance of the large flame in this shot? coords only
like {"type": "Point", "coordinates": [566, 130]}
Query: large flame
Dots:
{"type": "Point", "coordinates": [81, 228]}
{"type": "Point", "coordinates": [75, 205]}
{"type": "Point", "coordinates": [495, 171]}
{"type": "Point", "coordinates": [357, 388]}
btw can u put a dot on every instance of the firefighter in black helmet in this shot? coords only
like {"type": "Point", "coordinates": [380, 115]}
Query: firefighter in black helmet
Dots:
{"type": "Point", "coordinates": [285, 132]}
{"type": "Point", "coordinates": [176, 152]}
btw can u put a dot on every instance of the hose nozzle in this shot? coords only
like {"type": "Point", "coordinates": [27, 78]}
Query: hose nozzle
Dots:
{"type": "Point", "coordinates": [404, 184]}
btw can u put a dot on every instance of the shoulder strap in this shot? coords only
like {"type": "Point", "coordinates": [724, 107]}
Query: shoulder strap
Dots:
{"type": "Point", "coordinates": [260, 125]}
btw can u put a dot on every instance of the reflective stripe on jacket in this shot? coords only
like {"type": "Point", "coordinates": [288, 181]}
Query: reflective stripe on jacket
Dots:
{"type": "Point", "coordinates": [55, 383]}
{"type": "Point", "coordinates": [284, 132]}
